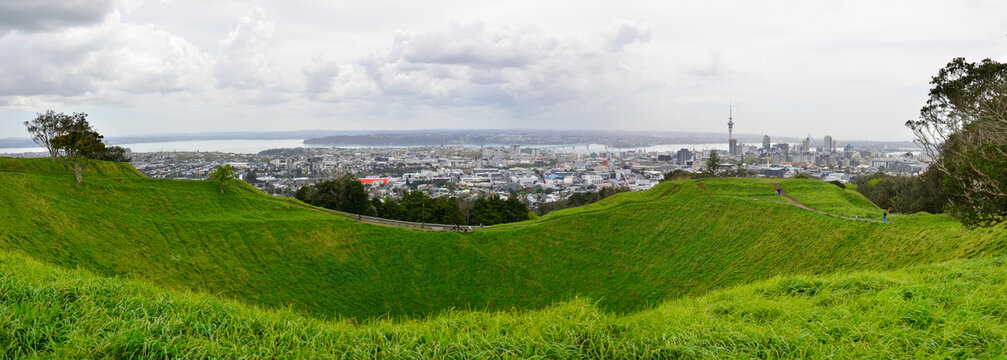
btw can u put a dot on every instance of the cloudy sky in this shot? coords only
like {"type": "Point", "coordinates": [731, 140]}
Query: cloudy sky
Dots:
{"type": "Point", "coordinates": [853, 69]}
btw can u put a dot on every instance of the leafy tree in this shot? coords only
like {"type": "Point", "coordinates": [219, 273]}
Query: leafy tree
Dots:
{"type": "Point", "coordinates": [47, 126]}
{"type": "Point", "coordinates": [713, 162]}
{"type": "Point", "coordinates": [487, 211]}
{"type": "Point", "coordinates": [737, 171]}
{"type": "Point", "coordinates": [905, 194]}
{"type": "Point", "coordinates": [963, 129]}
{"type": "Point", "coordinates": [113, 153]}
{"type": "Point", "coordinates": [223, 174]}
{"type": "Point", "coordinates": [494, 210]}
{"type": "Point", "coordinates": [344, 193]}
{"type": "Point", "coordinates": [579, 199]}
{"type": "Point", "coordinates": [79, 145]}
{"type": "Point", "coordinates": [467, 209]}
{"type": "Point", "coordinates": [677, 174]}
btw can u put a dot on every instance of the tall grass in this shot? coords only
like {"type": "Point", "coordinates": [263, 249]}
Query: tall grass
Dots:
{"type": "Point", "coordinates": [948, 310]}
{"type": "Point", "coordinates": [628, 252]}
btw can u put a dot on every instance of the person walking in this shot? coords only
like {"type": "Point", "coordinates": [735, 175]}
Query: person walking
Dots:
{"type": "Point", "coordinates": [884, 218]}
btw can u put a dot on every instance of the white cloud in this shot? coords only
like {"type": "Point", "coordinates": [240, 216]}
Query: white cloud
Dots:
{"type": "Point", "coordinates": [521, 67]}
{"type": "Point", "coordinates": [624, 33]}
{"type": "Point", "coordinates": [110, 57]}
{"type": "Point", "coordinates": [242, 61]}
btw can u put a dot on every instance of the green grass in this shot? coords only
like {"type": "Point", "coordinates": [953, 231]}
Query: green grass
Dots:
{"type": "Point", "coordinates": [627, 253]}
{"type": "Point", "coordinates": [948, 310]}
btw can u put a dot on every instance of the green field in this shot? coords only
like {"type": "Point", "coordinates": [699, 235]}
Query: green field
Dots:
{"type": "Point", "coordinates": [176, 266]}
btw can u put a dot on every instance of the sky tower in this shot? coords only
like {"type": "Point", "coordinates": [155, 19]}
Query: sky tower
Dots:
{"type": "Point", "coordinates": [732, 143]}
{"type": "Point", "coordinates": [730, 123]}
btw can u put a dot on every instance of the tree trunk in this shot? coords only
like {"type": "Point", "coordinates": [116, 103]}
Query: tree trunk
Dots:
{"type": "Point", "coordinates": [77, 169]}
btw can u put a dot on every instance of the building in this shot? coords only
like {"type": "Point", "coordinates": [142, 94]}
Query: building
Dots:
{"type": "Point", "coordinates": [684, 156]}
{"type": "Point", "coordinates": [765, 144]}
{"type": "Point", "coordinates": [829, 145]}
{"type": "Point", "coordinates": [806, 145]}
{"type": "Point", "coordinates": [373, 180]}
{"type": "Point", "coordinates": [732, 143]}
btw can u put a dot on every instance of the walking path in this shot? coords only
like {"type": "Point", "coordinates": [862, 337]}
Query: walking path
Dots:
{"type": "Point", "coordinates": [794, 202]}
{"type": "Point", "coordinates": [799, 204]}
{"type": "Point", "coordinates": [446, 227]}
{"type": "Point", "coordinates": [382, 221]}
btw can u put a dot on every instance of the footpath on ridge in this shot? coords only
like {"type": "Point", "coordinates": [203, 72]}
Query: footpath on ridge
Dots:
{"type": "Point", "coordinates": [794, 202]}
{"type": "Point", "coordinates": [465, 228]}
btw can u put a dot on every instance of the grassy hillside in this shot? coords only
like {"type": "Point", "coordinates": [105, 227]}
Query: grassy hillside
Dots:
{"type": "Point", "coordinates": [628, 252]}
{"type": "Point", "coordinates": [948, 310]}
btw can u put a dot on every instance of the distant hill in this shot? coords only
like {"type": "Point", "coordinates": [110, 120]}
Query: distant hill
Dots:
{"type": "Point", "coordinates": [627, 253]}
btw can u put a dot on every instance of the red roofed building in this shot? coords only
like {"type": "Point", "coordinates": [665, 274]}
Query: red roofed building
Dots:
{"type": "Point", "coordinates": [374, 181]}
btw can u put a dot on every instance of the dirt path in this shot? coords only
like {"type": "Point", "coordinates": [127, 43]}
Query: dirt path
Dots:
{"type": "Point", "coordinates": [799, 204]}
{"type": "Point", "coordinates": [443, 227]}
{"type": "Point", "coordinates": [669, 191]}
{"type": "Point", "coordinates": [379, 221]}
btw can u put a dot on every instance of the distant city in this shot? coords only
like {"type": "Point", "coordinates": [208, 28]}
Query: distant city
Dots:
{"type": "Point", "coordinates": [539, 166]}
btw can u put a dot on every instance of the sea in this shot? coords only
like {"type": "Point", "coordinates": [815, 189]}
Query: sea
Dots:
{"type": "Point", "coordinates": [255, 146]}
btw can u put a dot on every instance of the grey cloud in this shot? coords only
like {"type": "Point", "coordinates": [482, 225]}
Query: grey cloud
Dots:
{"type": "Point", "coordinates": [320, 77]}
{"type": "Point", "coordinates": [474, 45]}
{"type": "Point", "coordinates": [47, 15]}
{"type": "Point", "coordinates": [624, 33]}
{"type": "Point", "coordinates": [106, 58]}
{"type": "Point", "coordinates": [520, 67]}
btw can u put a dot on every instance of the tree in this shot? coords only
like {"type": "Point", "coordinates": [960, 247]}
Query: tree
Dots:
{"type": "Point", "coordinates": [344, 193]}
{"type": "Point", "coordinates": [905, 194]}
{"type": "Point", "coordinates": [113, 153]}
{"type": "Point", "coordinates": [49, 125]}
{"type": "Point", "coordinates": [677, 174]}
{"type": "Point", "coordinates": [223, 174]}
{"type": "Point", "coordinates": [963, 129]}
{"type": "Point", "coordinates": [713, 162]}
{"type": "Point", "coordinates": [79, 145]}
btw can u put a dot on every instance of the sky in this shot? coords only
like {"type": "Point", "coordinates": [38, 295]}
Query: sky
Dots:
{"type": "Point", "coordinates": [851, 69]}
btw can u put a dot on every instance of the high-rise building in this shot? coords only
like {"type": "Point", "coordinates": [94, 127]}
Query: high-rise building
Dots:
{"type": "Point", "coordinates": [806, 145]}
{"type": "Point", "coordinates": [515, 150]}
{"type": "Point", "coordinates": [784, 147]}
{"type": "Point", "coordinates": [684, 155]}
{"type": "Point", "coordinates": [731, 141]}
{"type": "Point", "coordinates": [765, 144]}
{"type": "Point", "coordinates": [829, 146]}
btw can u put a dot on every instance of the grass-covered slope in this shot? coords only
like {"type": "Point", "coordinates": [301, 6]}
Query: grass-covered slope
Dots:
{"type": "Point", "coordinates": [947, 310]}
{"type": "Point", "coordinates": [627, 252]}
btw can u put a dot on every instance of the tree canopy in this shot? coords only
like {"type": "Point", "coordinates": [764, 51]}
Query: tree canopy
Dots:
{"type": "Point", "coordinates": [344, 193]}
{"type": "Point", "coordinates": [713, 162]}
{"type": "Point", "coordinates": [49, 125]}
{"type": "Point", "coordinates": [963, 129]}
{"type": "Point", "coordinates": [79, 144]}
{"type": "Point", "coordinates": [223, 174]}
